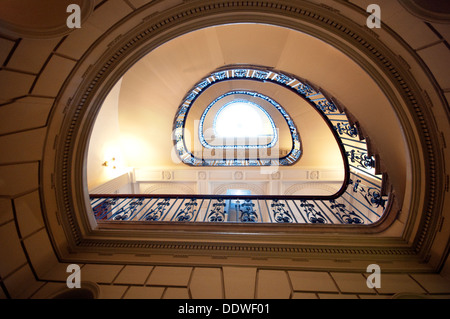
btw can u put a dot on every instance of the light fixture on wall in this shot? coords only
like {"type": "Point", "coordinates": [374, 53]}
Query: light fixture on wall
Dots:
{"type": "Point", "coordinates": [112, 162]}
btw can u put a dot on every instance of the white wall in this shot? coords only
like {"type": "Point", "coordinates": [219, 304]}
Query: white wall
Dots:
{"type": "Point", "coordinates": [105, 143]}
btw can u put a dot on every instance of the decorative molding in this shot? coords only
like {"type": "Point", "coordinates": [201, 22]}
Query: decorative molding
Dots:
{"type": "Point", "coordinates": [202, 175]}
{"type": "Point", "coordinates": [291, 190]}
{"type": "Point", "coordinates": [271, 249]}
{"type": "Point", "coordinates": [169, 188]}
{"type": "Point", "coordinates": [238, 175]}
{"type": "Point", "coordinates": [167, 175]}
{"type": "Point", "coordinates": [254, 188]}
{"type": "Point", "coordinates": [313, 175]}
{"type": "Point", "coordinates": [276, 175]}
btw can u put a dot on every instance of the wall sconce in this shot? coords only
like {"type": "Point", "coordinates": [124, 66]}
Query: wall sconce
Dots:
{"type": "Point", "coordinates": [106, 163]}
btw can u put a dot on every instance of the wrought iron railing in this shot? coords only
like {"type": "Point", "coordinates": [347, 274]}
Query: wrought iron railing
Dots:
{"type": "Point", "coordinates": [362, 203]}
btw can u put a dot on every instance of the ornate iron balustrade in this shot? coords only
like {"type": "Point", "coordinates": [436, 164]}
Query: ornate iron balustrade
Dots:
{"type": "Point", "coordinates": [362, 203]}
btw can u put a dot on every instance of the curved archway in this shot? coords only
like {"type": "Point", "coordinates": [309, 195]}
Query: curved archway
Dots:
{"type": "Point", "coordinates": [362, 48]}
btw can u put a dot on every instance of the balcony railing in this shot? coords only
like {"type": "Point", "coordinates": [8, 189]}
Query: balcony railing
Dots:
{"type": "Point", "coordinates": [362, 203]}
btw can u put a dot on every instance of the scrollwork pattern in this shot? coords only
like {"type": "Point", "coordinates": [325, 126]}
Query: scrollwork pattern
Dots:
{"type": "Point", "coordinates": [280, 214]}
{"type": "Point", "coordinates": [156, 213]}
{"type": "Point", "coordinates": [217, 213]}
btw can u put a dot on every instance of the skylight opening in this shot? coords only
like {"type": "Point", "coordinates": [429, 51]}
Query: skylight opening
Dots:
{"type": "Point", "coordinates": [243, 119]}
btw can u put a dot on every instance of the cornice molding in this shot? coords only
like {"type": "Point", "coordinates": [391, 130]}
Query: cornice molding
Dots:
{"type": "Point", "coordinates": [223, 249]}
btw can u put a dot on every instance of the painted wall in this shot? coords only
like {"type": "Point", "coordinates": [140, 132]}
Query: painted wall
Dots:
{"type": "Point", "coordinates": [105, 143]}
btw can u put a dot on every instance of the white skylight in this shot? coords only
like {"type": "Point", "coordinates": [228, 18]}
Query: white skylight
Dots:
{"type": "Point", "coordinates": [242, 119]}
